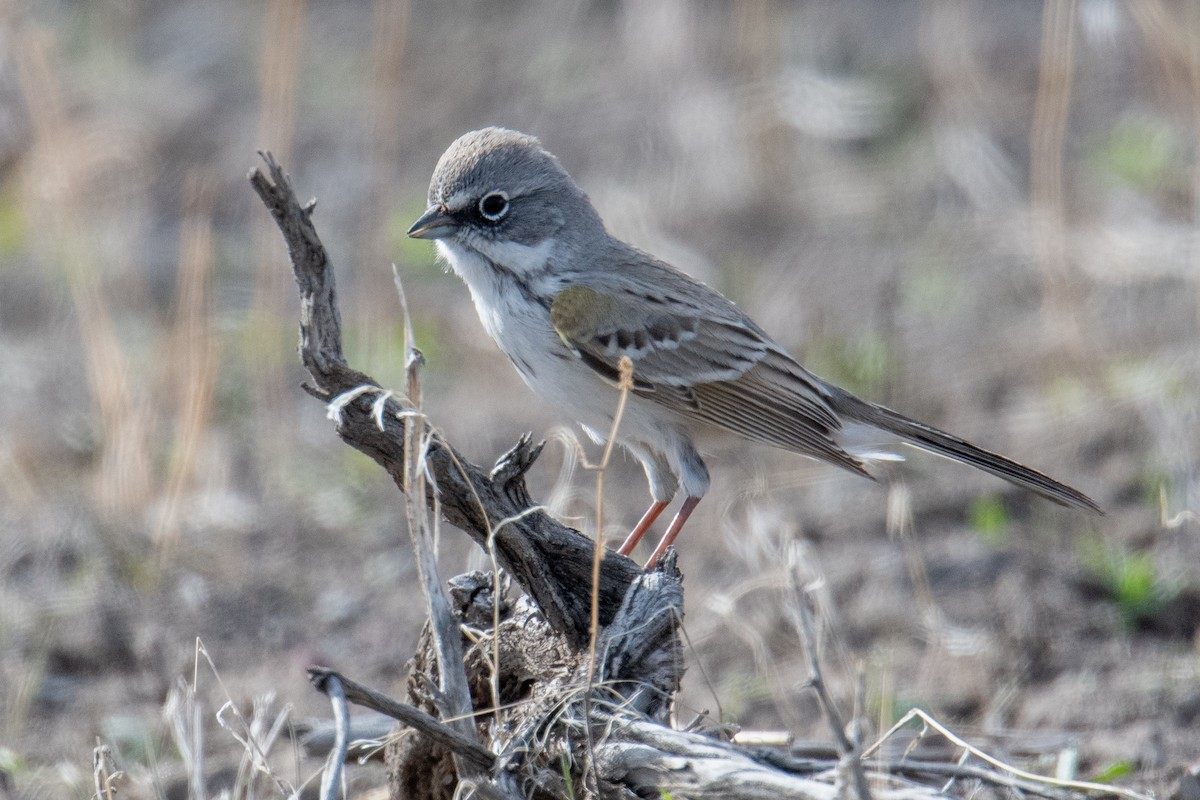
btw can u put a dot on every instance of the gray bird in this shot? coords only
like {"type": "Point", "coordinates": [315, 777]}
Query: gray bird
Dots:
{"type": "Point", "coordinates": [566, 301]}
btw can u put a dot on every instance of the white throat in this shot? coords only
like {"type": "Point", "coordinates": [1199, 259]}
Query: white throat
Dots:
{"type": "Point", "coordinates": [523, 259]}
{"type": "Point", "coordinates": [502, 305]}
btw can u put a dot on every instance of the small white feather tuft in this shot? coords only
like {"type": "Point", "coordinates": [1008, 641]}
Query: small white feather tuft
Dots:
{"type": "Point", "coordinates": [868, 443]}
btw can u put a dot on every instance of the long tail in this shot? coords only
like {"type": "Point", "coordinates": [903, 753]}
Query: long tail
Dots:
{"type": "Point", "coordinates": [926, 437]}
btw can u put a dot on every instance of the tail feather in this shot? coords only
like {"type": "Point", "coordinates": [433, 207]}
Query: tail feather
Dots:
{"type": "Point", "coordinates": [927, 437]}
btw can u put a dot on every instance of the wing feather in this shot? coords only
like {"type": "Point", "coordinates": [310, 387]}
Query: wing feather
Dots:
{"type": "Point", "coordinates": [670, 345]}
{"type": "Point", "coordinates": [693, 351]}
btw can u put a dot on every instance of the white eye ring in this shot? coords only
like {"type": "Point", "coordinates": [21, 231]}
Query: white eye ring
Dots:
{"type": "Point", "coordinates": [493, 206]}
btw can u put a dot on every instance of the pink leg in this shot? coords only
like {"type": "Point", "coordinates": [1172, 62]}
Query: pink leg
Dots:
{"type": "Point", "coordinates": [640, 529]}
{"type": "Point", "coordinates": [685, 511]}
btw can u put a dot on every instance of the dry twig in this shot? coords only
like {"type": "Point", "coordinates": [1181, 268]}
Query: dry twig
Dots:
{"type": "Point", "coordinates": [365, 696]}
{"type": "Point", "coordinates": [331, 780]}
{"type": "Point", "coordinates": [550, 561]}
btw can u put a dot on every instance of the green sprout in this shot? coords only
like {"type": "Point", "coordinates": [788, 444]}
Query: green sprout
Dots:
{"type": "Point", "coordinates": [990, 520]}
{"type": "Point", "coordinates": [1131, 579]}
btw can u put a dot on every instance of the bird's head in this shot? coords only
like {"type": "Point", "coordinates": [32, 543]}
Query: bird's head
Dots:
{"type": "Point", "coordinates": [498, 193]}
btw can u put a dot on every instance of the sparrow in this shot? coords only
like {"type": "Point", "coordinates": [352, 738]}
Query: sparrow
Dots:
{"type": "Point", "coordinates": [566, 301]}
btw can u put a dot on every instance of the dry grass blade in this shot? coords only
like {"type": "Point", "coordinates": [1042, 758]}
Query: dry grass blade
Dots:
{"type": "Point", "coordinates": [104, 774]}
{"type": "Point", "coordinates": [187, 731]}
{"type": "Point", "coordinates": [899, 522]}
{"type": "Point", "coordinates": [283, 30]}
{"type": "Point", "coordinates": [625, 368]}
{"type": "Point", "coordinates": [1097, 789]}
{"type": "Point", "coordinates": [389, 43]}
{"type": "Point", "coordinates": [415, 361]}
{"type": "Point", "coordinates": [69, 161]}
{"type": "Point", "coordinates": [256, 735]}
{"type": "Point", "coordinates": [800, 608]}
{"type": "Point", "coordinates": [454, 696]}
{"type": "Point", "coordinates": [1167, 520]}
{"type": "Point", "coordinates": [1059, 299]}
{"type": "Point", "coordinates": [194, 352]}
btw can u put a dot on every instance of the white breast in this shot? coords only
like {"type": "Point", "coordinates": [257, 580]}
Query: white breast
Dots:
{"type": "Point", "coordinates": [523, 330]}
{"type": "Point", "coordinates": [519, 326]}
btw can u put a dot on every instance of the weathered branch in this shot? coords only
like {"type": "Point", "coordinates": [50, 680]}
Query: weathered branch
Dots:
{"type": "Point", "coordinates": [331, 780]}
{"type": "Point", "coordinates": [649, 758]}
{"type": "Point", "coordinates": [642, 661]}
{"type": "Point", "coordinates": [550, 561]}
{"type": "Point", "coordinates": [365, 696]}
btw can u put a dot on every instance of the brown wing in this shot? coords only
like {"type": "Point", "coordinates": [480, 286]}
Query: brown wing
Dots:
{"type": "Point", "coordinates": [695, 352]}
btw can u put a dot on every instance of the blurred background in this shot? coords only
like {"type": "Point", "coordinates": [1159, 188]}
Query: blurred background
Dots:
{"type": "Point", "coordinates": [981, 214]}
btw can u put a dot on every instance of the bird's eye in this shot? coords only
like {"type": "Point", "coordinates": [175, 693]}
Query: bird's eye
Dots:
{"type": "Point", "coordinates": [494, 206]}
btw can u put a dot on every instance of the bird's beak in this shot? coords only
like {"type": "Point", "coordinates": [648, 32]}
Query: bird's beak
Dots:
{"type": "Point", "coordinates": [433, 224]}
